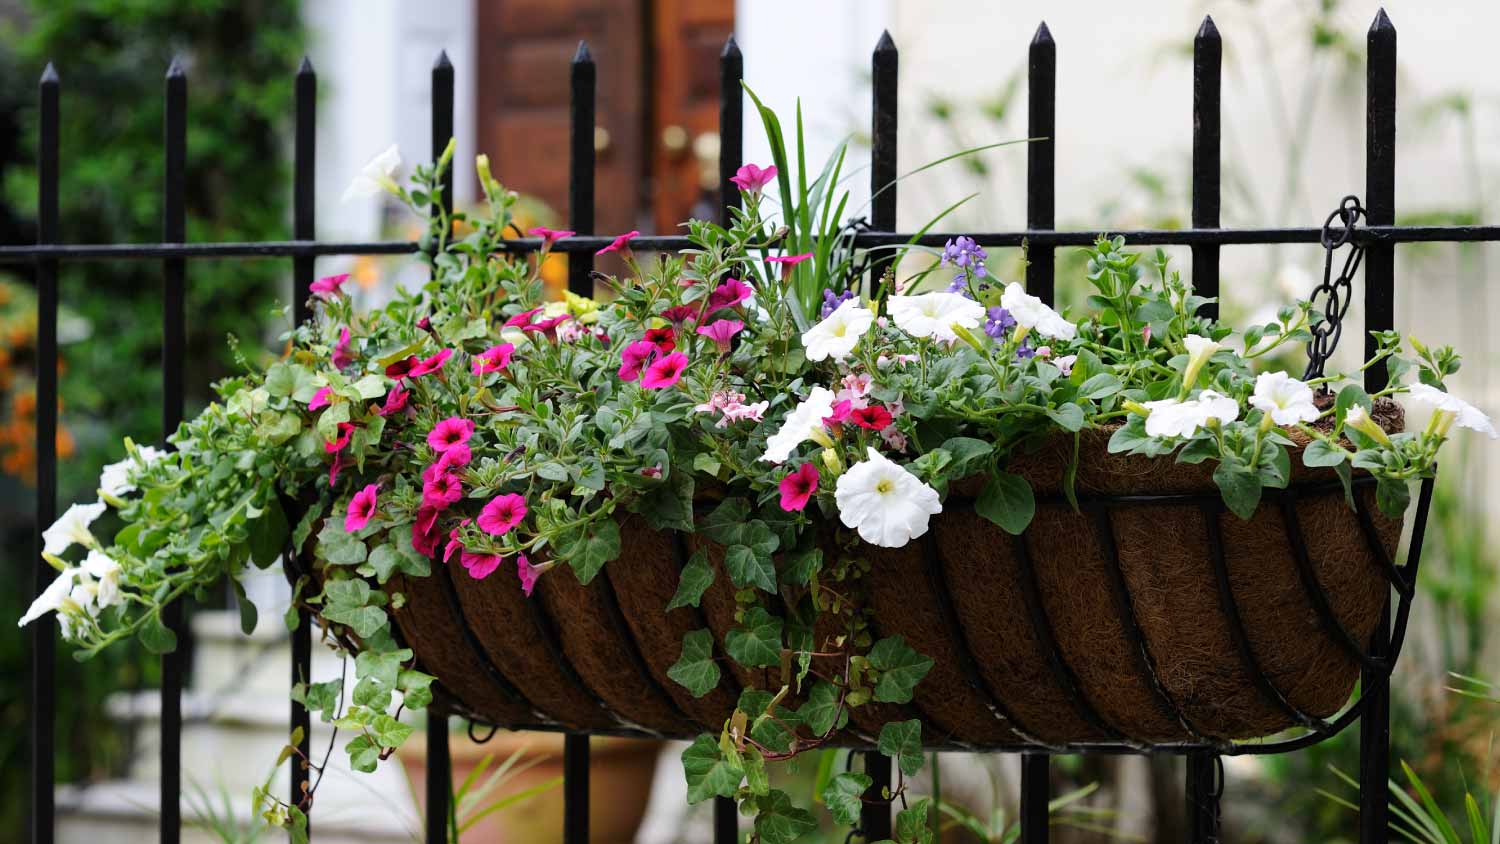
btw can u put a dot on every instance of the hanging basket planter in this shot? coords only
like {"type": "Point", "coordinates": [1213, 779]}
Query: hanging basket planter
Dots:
{"type": "Point", "coordinates": [1149, 616]}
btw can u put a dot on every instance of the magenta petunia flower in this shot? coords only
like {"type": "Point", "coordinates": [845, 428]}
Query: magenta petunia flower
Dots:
{"type": "Point", "coordinates": [727, 295]}
{"type": "Point", "coordinates": [635, 357]}
{"type": "Point", "coordinates": [841, 411]}
{"type": "Point", "coordinates": [621, 242]}
{"type": "Point", "coordinates": [679, 314]}
{"type": "Point", "coordinates": [361, 508]}
{"type": "Point", "coordinates": [480, 566]}
{"type": "Point", "coordinates": [547, 327]}
{"type": "Point", "coordinates": [454, 545]}
{"type": "Point", "coordinates": [502, 513]}
{"type": "Point", "coordinates": [402, 368]}
{"type": "Point", "coordinates": [873, 417]}
{"type": "Point", "coordinates": [450, 431]}
{"type": "Point", "coordinates": [429, 365]}
{"type": "Point", "coordinates": [522, 319]}
{"type": "Point", "coordinates": [456, 456]}
{"type": "Point", "coordinates": [750, 178]}
{"type": "Point", "coordinates": [549, 236]}
{"type": "Point", "coordinates": [528, 574]}
{"type": "Point", "coordinates": [334, 467]}
{"type": "Point", "coordinates": [664, 339]}
{"type": "Point", "coordinates": [341, 441]}
{"type": "Point", "coordinates": [395, 401]}
{"type": "Point", "coordinates": [424, 532]}
{"type": "Point", "coordinates": [722, 332]}
{"type": "Point", "coordinates": [341, 357]}
{"type": "Point", "coordinates": [441, 490]}
{"type": "Point", "coordinates": [798, 487]}
{"type": "Point", "coordinates": [320, 398]}
{"type": "Point", "coordinates": [328, 286]}
{"type": "Point", "coordinates": [665, 372]}
{"type": "Point", "coordinates": [493, 359]}
{"type": "Point", "coordinates": [789, 260]}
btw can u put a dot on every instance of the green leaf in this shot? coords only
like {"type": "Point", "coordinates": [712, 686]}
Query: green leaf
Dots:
{"type": "Point", "coordinates": [354, 604]}
{"type": "Point", "coordinates": [747, 568]}
{"type": "Point", "coordinates": [912, 826]}
{"type": "Point", "coordinates": [726, 524]}
{"type": "Point", "coordinates": [967, 454]}
{"type": "Point", "coordinates": [1199, 449]}
{"type": "Point", "coordinates": [803, 566]}
{"type": "Point", "coordinates": [1099, 386]}
{"type": "Point", "coordinates": [696, 670]}
{"type": "Point", "coordinates": [902, 741]}
{"type": "Point", "coordinates": [822, 709]}
{"type": "Point", "coordinates": [1007, 501]}
{"type": "Point", "coordinates": [591, 547]}
{"type": "Point", "coordinates": [1392, 495]}
{"type": "Point", "coordinates": [1130, 436]}
{"type": "Point", "coordinates": [696, 577]}
{"type": "Point", "coordinates": [779, 822]}
{"type": "Point", "coordinates": [249, 616]}
{"type": "Point", "coordinates": [1240, 488]}
{"type": "Point", "coordinates": [268, 534]}
{"type": "Point", "coordinates": [1320, 453]}
{"type": "Point", "coordinates": [156, 636]}
{"type": "Point", "coordinates": [338, 547]}
{"type": "Point", "coordinates": [776, 733]}
{"type": "Point", "coordinates": [363, 753]}
{"type": "Point", "coordinates": [1069, 417]}
{"type": "Point", "coordinates": [1348, 397]}
{"type": "Point", "coordinates": [757, 644]}
{"type": "Point", "coordinates": [900, 667]}
{"type": "Point", "coordinates": [844, 797]}
{"type": "Point", "coordinates": [322, 698]}
{"type": "Point", "coordinates": [708, 774]}
{"type": "Point", "coordinates": [668, 506]}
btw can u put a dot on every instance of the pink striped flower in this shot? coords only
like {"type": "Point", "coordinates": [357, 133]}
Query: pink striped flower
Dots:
{"type": "Point", "coordinates": [341, 441]}
{"type": "Point", "coordinates": [329, 286]}
{"type": "Point", "coordinates": [480, 566]}
{"type": "Point", "coordinates": [320, 398]}
{"type": "Point", "coordinates": [665, 372]}
{"type": "Point", "coordinates": [841, 411]}
{"type": "Point", "coordinates": [722, 332]}
{"type": "Point", "coordinates": [334, 467]}
{"type": "Point", "coordinates": [455, 456]}
{"type": "Point", "coordinates": [449, 432]}
{"type": "Point", "coordinates": [361, 508]}
{"type": "Point", "coordinates": [547, 327]}
{"type": "Point", "coordinates": [619, 243]}
{"type": "Point", "coordinates": [679, 314]}
{"type": "Point", "coordinates": [493, 359]}
{"type": "Point", "coordinates": [798, 487]}
{"type": "Point", "coordinates": [502, 513]}
{"type": "Point", "coordinates": [402, 368]}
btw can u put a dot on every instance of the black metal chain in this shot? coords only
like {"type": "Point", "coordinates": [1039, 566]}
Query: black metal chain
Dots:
{"type": "Point", "coordinates": [1336, 292]}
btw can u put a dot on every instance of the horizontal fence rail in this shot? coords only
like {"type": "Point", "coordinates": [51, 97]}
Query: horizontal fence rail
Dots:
{"type": "Point", "coordinates": [1040, 238]}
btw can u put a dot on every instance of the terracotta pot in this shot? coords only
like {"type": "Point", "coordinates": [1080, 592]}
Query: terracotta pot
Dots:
{"type": "Point", "coordinates": [620, 776]}
{"type": "Point", "coordinates": [1110, 624]}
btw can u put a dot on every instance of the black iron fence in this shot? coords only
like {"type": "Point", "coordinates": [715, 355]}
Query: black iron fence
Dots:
{"type": "Point", "coordinates": [1204, 783]}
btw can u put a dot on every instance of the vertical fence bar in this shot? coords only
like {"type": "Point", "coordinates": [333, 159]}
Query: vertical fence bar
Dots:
{"type": "Point", "coordinates": [1036, 788]}
{"type": "Point", "coordinates": [581, 166]}
{"type": "Point", "coordinates": [884, 66]}
{"type": "Point", "coordinates": [875, 816]}
{"type": "Point", "coordinates": [1202, 798]}
{"type": "Point", "coordinates": [173, 366]}
{"type": "Point", "coordinates": [1380, 210]}
{"type": "Point", "coordinates": [576, 789]}
{"type": "Point", "coordinates": [439, 783]}
{"type": "Point", "coordinates": [726, 821]}
{"type": "Point", "coordinates": [731, 127]}
{"type": "Point", "coordinates": [43, 635]}
{"type": "Point", "coordinates": [1208, 55]}
{"type": "Point", "coordinates": [303, 206]}
{"type": "Point", "coordinates": [1041, 160]}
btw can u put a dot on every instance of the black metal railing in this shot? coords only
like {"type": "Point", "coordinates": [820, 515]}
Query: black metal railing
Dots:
{"type": "Point", "coordinates": [1204, 781]}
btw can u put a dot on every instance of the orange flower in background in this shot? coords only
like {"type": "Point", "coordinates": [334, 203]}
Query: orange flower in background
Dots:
{"type": "Point", "coordinates": [18, 386]}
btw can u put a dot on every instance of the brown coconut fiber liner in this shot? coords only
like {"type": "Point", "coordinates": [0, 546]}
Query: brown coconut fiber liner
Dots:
{"type": "Point", "coordinates": [1029, 634]}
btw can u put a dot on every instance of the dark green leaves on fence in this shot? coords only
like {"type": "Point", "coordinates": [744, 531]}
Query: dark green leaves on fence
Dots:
{"type": "Point", "coordinates": [696, 670]}
{"type": "Point", "coordinates": [843, 797]}
{"type": "Point", "coordinates": [779, 822]}
{"type": "Point", "coordinates": [902, 741]}
{"type": "Point", "coordinates": [696, 577]}
{"type": "Point", "coordinates": [709, 772]}
{"type": "Point", "coordinates": [757, 643]}
{"type": "Point", "coordinates": [900, 667]}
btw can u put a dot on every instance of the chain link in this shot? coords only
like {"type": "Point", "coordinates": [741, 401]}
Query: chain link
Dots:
{"type": "Point", "coordinates": [1333, 296]}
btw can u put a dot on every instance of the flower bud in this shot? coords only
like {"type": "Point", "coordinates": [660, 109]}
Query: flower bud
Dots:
{"type": "Point", "coordinates": [1137, 408]}
{"type": "Point", "coordinates": [967, 336]}
{"type": "Point", "coordinates": [832, 461]}
{"type": "Point", "coordinates": [1359, 419]}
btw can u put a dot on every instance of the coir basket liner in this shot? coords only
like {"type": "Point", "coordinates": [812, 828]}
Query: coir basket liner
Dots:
{"type": "Point", "coordinates": [1151, 615]}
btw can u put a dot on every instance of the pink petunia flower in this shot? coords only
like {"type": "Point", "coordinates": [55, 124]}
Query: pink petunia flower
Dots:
{"type": "Point", "coordinates": [841, 411]}
{"type": "Point", "coordinates": [432, 364]}
{"type": "Point", "coordinates": [502, 513]}
{"type": "Point", "coordinates": [789, 260]}
{"type": "Point", "coordinates": [547, 327]}
{"type": "Point", "coordinates": [722, 332]}
{"type": "Point", "coordinates": [320, 398]}
{"type": "Point", "coordinates": [341, 441]}
{"type": "Point", "coordinates": [635, 357]}
{"type": "Point", "coordinates": [874, 417]}
{"type": "Point", "coordinates": [402, 368]}
{"type": "Point", "coordinates": [665, 372]}
{"type": "Point", "coordinates": [480, 566]}
{"type": "Point", "coordinates": [395, 401]}
{"type": "Point", "coordinates": [894, 438]}
{"type": "Point", "coordinates": [361, 508]}
{"type": "Point", "coordinates": [751, 178]}
{"type": "Point", "coordinates": [424, 532]}
{"type": "Point", "coordinates": [798, 487]}
{"type": "Point", "coordinates": [727, 295]}
{"type": "Point", "coordinates": [522, 319]}
{"type": "Point", "coordinates": [454, 545]}
{"type": "Point", "coordinates": [664, 339]}
{"type": "Point", "coordinates": [441, 490]}
{"type": "Point", "coordinates": [528, 574]}
{"type": "Point", "coordinates": [334, 467]}
{"type": "Point", "coordinates": [855, 388]}
{"type": "Point", "coordinates": [456, 456]}
{"type": "Point", "coordinates": [621, 242]}
{"type": "Point", "coordinates": [341, 356]}
{"type": "Point", "coordinates": [493, 359]}
{"type": "Point", "coordinates": [549, 236]}
{"type": "Point", "coordinates": [450, 431]}
{"type": "Point", "coordinates": [679, 314]}
{"type": "Point", "coordinates": [328, 286]}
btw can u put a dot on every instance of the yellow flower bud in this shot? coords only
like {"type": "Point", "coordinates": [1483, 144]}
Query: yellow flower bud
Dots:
{"type": "Point", "coordinates": [832, 461]}
{"type": "Point", "coordinates": [1359, 419]}
{"type": "Point", "coordinates": [1137, 408]}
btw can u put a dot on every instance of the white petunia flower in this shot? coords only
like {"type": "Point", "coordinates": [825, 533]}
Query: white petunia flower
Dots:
{"type": "Point", "coordinates": [1173, 418]}
{"type": "Point", "coordinates": [802, 424]}
{"type": "Point", "coordinates": [1031, 312]}
{"type": "Point", "coordinates": [106, 573]}
{"type": "Point", "coordinates": [1287, 400]}
{"type": "Point", "coordinates": [1200, 349]}
{"type": "Point", "coordinates": [888, 505]}
{"type": "Point", "coordinates": [934, 314]}
{"type": "Point", "coordinates": [52, 598]}
{"type": "Point", "coordinates": [72, 529]}
{"type": "Point", "coordinates": [1357, 418]}
{"type": "Point", "coordinates": [376, 176]}
{"type": "Point", "coordinates": [836, 336]}
{"type": "Point", "coordinates": [1453, 409]}
{"type": "Point", "coordinates": [114, 480]}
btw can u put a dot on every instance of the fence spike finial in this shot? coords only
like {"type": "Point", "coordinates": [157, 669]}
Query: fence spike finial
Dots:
{"type": "Point", "coordinates": [306, 67]}
{"type": "Point", "coordinates": [1208, 32]}
{"type": "Point", "coordinates": [175, 69]}
{"type": "Point", "coordinates": [442, 60]}
{"type": "Point", "coordinates": [583, 56]}
{"type": "Point", "coordinates": [49, 75]}
{"type": "Point", "coordinates": [885, 44]}
{"type": "Point", "coordinates": [1382, 23]}
{"type": "Point", "coordinates": [1043, 35]}
{"type": "Point", "coordinates": [731, 47]}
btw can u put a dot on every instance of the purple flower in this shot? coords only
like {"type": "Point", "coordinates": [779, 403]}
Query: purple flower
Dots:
{"type": "Point", "coordinates": [831, 302]}
{"type": "Point", "coordinates": [998, 321]}
{"type": "Point", "coordinates": [1026, 350]}
{"type": "Point", "coordinates": [966, 255]}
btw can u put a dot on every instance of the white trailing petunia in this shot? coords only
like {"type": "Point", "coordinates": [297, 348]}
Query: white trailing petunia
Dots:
{"type": "Point", "coordinates": [1174, 418]}
{"type": "Point", "coordinates": [52, 598]}
{"type": "Point", "coordinates": [888, 505]}
{"type": "Point", "coordinates": [934, 314]}
{"type": "Point", "coordinates": [376, 176]}
{"type": "Point", "coordinates": [1285, 399]}
{"type": "Point", "coordinates": [1199, 349]}
{"type": "Point", "coordinates": [1031, 312]}
{"type": "Point", "coordinates": [1451, 409]}
{"type": "Point", "coordinates": [105, 571]}
{"type": "Point", "coordinates": [72, 529]}
{"type": "Point", "coordinates": [1359, 419]}
{"type": "Point", "coordinates": [804, 423]}
{"type": "Point", "coordinates": [114, 480]}
{"type": "Point", "coordinates": [836, 336]}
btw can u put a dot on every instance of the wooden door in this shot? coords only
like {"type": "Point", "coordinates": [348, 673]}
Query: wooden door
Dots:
{"type": "Point", "coordinates": [689, 36]}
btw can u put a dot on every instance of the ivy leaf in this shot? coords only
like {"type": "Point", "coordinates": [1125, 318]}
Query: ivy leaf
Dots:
{"type": "Point", "coordinates": [775, 733]}
{"type": "Point", "coordinates": [912, 826]}
{"type": "Point", "coordinates": [590, 548]}
{"type": "Point", "coordinates": [1007, 501]}
{"type": "Point", "coordinates": [844, 797]}
{"type": "Point", "coordinates": [388, 731]}
{"type": "Point", "coordinates": [669, 505]}
{"type": "Point", "coordinates": [900, 667]}
{"type": "Point", "coordinates": [696, 577]}
{"type": "Point", "coordinates": [363, 753]}
{"type": "Point", "coordinates": [758, 643]}
{"type": "Point", "coordinates": [822, 708]}
{"type": "Point", "coordinates": [803, 566]}
{"type": "Point", "coordinates": [322, 698]}
{"type": "Point", "coordinates": [747, 568]}
{"type": "Point", "coordinates": [338, 547]}
{"type": "Point", "coordinates": [707, 772]}
{"type": "Point", "coordinates": [1320, 453]}
{"type": "Point", "coordinates": [902, 741]}
{"type": "Point", "coordinates": [1240, 488]}
{"type": "Point", "coordinates": [391, 557]}
{"type": "Point", "coordinates": [355, 605]}
{"type": "Point", "coordinates": [696, 670]}
{"type": "Point", "coordinates": [779, 822]}
{"type": "Point", "coordinates": [726, 524]}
